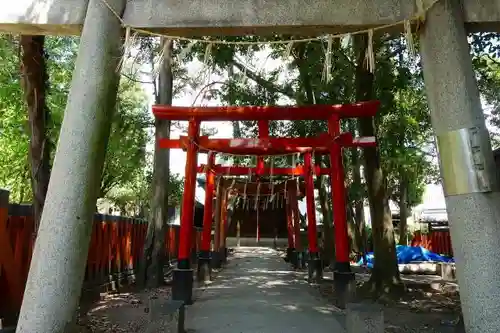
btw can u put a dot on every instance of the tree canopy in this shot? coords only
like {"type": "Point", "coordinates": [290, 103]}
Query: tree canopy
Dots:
{"type": "Point", "coordinates": [125, 169]}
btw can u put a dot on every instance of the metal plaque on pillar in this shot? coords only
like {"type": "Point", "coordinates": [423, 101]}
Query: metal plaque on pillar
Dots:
{"type": "Point", "coordinates": [466, 161]}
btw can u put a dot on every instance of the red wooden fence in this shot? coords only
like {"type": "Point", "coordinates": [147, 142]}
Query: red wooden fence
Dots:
{"type": "Point", "coordinates": [115, 250]}
{"type": "Point", "coordinates": [438, 241]}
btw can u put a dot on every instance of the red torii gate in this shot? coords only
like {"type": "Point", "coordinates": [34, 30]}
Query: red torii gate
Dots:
{"type": "Point", "coordinates": [330, 143]}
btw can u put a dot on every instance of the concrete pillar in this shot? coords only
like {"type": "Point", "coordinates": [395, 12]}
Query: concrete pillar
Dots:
{"type": "Point", "coordinates": [57, 269]}
{"type": "Point", "coordinates": [466, 163]}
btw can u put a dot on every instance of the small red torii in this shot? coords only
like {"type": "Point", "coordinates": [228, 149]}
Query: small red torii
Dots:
{"type": "Point", "coordinates": [326, 143]}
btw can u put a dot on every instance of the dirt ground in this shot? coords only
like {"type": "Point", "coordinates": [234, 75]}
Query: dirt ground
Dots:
{"type": "Point", "coordinates": [124, 312]}
{"type": "Point", "coordinates": [117, 313]}
{"type": "Point", "coordinates": [429, 305]}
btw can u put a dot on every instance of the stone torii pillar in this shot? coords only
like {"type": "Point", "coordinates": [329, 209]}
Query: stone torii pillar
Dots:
{"type": "Point", "coordinates": [57, 269]}
{"type": "Point", "coordinates": [466, 163]}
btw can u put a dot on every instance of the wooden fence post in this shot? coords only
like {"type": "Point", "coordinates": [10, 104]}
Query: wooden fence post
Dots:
{"type": "Point", "coordinates": [11, 268]}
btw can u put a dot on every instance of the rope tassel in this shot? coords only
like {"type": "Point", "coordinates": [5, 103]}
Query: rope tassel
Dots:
{"type": "Point", "coordinates": [409, 39]}
{"type": "Point", "coordinates": [326, 76]}
{"type": "Point", "coordinates": [288, 50]}
{"type": "Point", "coordinates": [208, 54]}
{"type": "Point", "coordinates": [257, 196]}
{"type": "Point", "coordinates": [128, 44]}
{"type": "Point", "coordinates": [186, 51]}
{"type": "Point", "coordinates": [370, 56]}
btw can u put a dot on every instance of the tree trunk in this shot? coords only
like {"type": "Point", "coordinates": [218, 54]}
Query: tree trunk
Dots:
{"type": "Point", "coordinates": [352, 231]}
{"type": "Point", "coordinates": [34, 80]}
{"type": "Point", "coordinates": [385, 274]}
{"type": "Point", "coordinates": [403, 209]}
{"type": "Point", "coordinates": [359, 211]}
{"type": "Point", "coordinates": [154, 247]}
{"type": "Point", "coordinates": [328, 249]}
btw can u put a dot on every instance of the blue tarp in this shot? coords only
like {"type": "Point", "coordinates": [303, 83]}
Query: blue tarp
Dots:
{"type": "Point", "coordinates": [406, 254]}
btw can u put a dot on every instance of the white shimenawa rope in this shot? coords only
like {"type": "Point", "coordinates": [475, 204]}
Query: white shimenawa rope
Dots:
{"type": "Point", "coordinates": [419, 19]}
{"type": "Point", "coordinates": [257, 197]}
{"type": "Point", "coordinates": [420, 16]}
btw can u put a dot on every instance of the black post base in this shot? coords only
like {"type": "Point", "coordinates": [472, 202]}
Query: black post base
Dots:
{"type": "Point", "coordinates": [315, 268]}
{"type": "Point", "coordinates": [204, 271]}
{"type": "Point", "coordinates": [215, 262]}
{"type": "Point", "coordinates": [182, 285]}
{"type": "Point", "coordinates": [194, 257]}
{"type": "Point", "coordinates": [344, 283]}
{"type": "Point", "coordinates": [301, 260]}
{"type": "Point", "coordinates": [288, 256]}
{"type": "Point", "coordinates": [223, 255]}
{"type": "Point", "coordinates": [294, 259]}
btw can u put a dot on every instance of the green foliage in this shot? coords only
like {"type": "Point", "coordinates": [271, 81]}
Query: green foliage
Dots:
{"type": "Point", "coordinates": [404, 127]}
{"type": "Point", "coordinates": [126, 155]}
{"type": "Point", "coordinates": [403, 123]}
{"type": "Point", "coordinates": [14, 171]}
{"type": "Point", "coordinates": [486, 54]}
{"type": "Point", "coordinates": [134, 199]}
{"type": "Point", "coordinates": [124, 173]}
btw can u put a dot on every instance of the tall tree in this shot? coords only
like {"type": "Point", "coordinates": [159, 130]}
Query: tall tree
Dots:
{"type": "Point", "coordinates": [385, 274]}
{"type": "Point", "coordinates": [154, 247]}
{"type": "Point", "coordinates": [34, 80]}
{"type": "Point", "coordinates": [125, 158]}
{"type": "Point", "coordinates": [357, 197]}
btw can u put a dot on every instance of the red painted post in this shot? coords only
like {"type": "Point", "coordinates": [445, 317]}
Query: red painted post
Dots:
{"type": "Point", "coordinates": [310, 204]}
{"type": "Point", "coordinates": [257, 235]}
{"type": "Point", "coordinates": [263, 126]}
{"type": "Point", "coordinates": [291, 255]}
{"type": "Point", "coordinates": [182, 288]}
{"type": "Point", "coordinates": [342, 273]}
{"type": "Point", "coordinates": [208, 209]}
{"type": "Point", "coordinates": [203, 269]}
{"type": "Point", "coordinates": [11, 268]}
{"type": "Point", "coordinates": [289, 225]}
{"type": "Point", "coordinates": [216, 254]}
{"type": "Point", "coordinates": [188, 199]}
{"type": "Point", "coordinates": [314, 265]}
{"type": "Point", "coordinates": [294, 201]}
{"type": "Point", "coordinates": [223, 227]}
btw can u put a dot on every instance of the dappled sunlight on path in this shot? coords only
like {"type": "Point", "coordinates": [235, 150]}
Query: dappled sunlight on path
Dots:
{"type": "Point", "coordinates": [258, 293]}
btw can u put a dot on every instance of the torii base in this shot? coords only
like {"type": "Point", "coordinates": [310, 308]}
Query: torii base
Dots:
{"type": "Point", "coordinates": [291, 257]}
{"type": "Point", "coordinates": [215, 262]}
{"type": "Point", "coordinates": [204, 270]}
{"type": "Point", "coordinates": [344, 282]}
{"type": "Point", "coordinates": [315, 268]}
{"type": "Point", "coordinates": [182, 285]}
{"type": "Point", "coordinates": [301, 260]}
{"type": "Point", "coordinates": [223, 255]}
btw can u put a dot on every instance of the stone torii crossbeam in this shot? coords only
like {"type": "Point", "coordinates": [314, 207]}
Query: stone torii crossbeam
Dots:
{"type": "Point", "coordinates": [470, 185]}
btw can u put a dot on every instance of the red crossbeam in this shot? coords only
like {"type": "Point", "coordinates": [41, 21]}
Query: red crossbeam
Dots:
{"type": "Point", "coordinates": [241, 113]}
{"type": "Point", "coordinates": [243, 171]}
{"type": "Point", "coordinates": [271, 146]}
